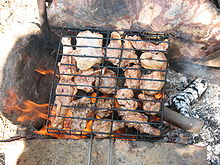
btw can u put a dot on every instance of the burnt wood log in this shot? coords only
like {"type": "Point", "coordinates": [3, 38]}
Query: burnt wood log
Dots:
{"type": "Point", "coordinates": [193, 25]}
{"type": "Point", "coordinates": [182, 100]}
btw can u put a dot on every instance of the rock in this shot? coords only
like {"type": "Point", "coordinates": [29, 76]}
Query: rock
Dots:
{"type": "Point", "coordinates": [21, 53]}
{"type": "Point", "coordinates": [70, 152]}
{"type": "Point", "coordinates": [192, 35]}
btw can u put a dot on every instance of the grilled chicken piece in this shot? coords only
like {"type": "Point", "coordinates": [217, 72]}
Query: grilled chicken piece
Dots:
{"type": "Point", "coordinates": [114, 52]}
{"type": "Point", "coordinates": [63, 100]}
{"type": "Point", "coordinates": [149, 105]}
{"type": "Point", "coordinates": [84, 63]}
{"type": "Point", "coordinates": [104, 103]}
{"type": "Point", "coordinates": [131, 73]}
{"type": "Point", "coordinates": [86, 80]}
{"type": "Point", "coordinates": [141, 44]}
{"type": "Point", "coordinates": [152, 85]}
{"type": "Point", "coordinates": [150, 60]}
{"type": "Point", "coordinates": [132, 115]}
{"type": "Point", "coordinates": [80, 124]}
{"type": "Point", "coordinates": [105, 127]}
{"type": "Point", "coordinates": [106, 82]}
{"type": "Point", "coordinates": [128, 54]}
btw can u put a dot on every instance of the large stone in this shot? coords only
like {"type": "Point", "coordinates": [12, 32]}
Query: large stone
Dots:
{"type": "Point", "coordinates": [69, 152]}
{"type": "Point", "coordinates": [193, 24]}
{"type": "Point", "coordinates": [22, 52]}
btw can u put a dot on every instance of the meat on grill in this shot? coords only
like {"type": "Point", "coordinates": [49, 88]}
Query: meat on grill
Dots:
{"type": "Point", "coordinates": [86, 112]}
{"type": "Point", "coordinates": [138, 117]}
{"type": "Point", "coordinates": [141, 44]}
{"type": "Point", "coordinates": [104, 103]}
{"type": "Point", "coordinates": [133, 72]}
{"type": "Point", "coordinates": [86, 80]}
{"type": "Point", "coordinates": [152, 85]}
{"type": "Point", "coordinates": [84, 63]}
{"type": "Point", "coordinates": [106, 82]}
{"type": "Point", "coordinates": [128, 54]}
{"type": "Point", "coordinates": [63, 100]}
{"type": "Point", "coordinates": [132, 115]}
{"type": "Point", "coordinates": [105, 127]}
{"type": "Point", "coordinates": [114, 52]}
{"type": "Point", "coordinates": [124, 94]}
{"type": "Point", "coordinates": [149, 105]}
{"type": "Point", "coordinates": [67, 59]}
{"type": "Point", "coordinates": [151, 60]}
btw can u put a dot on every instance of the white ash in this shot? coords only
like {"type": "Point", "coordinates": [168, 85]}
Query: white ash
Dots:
{"type": "Point", "coordinates": [206, 109]}
{"type": "Point", "coordinates": [183, 99]}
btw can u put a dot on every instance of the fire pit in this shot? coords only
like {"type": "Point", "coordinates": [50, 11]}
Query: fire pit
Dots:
{"type": "Point", "coordinates": [185, 41]}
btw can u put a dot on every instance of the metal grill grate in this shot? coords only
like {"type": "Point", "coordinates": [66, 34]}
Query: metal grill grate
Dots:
{"type": "Point", "coordinates": [128, 133]}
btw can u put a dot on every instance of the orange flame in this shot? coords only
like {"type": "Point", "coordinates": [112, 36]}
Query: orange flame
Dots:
{"type": "Point", "coordinates": [159, 95]}
{"type": "Point", "coordinates": [44, 72]}
{"type": "Point", "coordinates": [43, 131]}
{"type": "Point", "coordinates": [122, 131]}
{"type": "Point", "coordinates": [29, 109]}
{"type": "Point", "coordinates": [93, 100]}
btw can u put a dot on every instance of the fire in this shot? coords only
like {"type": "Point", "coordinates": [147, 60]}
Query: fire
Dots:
{"type": "Point", "coordinates": [123, 131]}
{"type": "Point", "coordinates": [93, 100]}
{"type": "Point", "coordinates": [29, 110]}
{"type": "Point", "coordinates": [33, 111]}
{"type": "Point", "coordinates": [159, 95]}
{"type": "Point", "coordinates": [44, 72]}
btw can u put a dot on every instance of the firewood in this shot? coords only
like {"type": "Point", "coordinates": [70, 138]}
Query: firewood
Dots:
{"type": "Point", "coordinates": [182, 101]}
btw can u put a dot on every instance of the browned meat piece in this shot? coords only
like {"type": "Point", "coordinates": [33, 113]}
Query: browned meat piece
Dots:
{"type": "Point", "coordinates": [128, 54]}
{"type": "Point", "coordinates": [146, 45]}
{"type": "Point", "coordinates": [149, 60]}
{"type": "Point", "coordinates": [85, 80]}
{"type": "Point", "coordinates": [104, 103]}
{"type": "Point", "coordinates": [62, 100]}
{"type": "Point", "coordinates": [138, 117]}
{"type": "Point", "coordinates": [67, 69]}
{"type": "Point", "coordinates": [106, 82]}
{"type": "Point", "coordinates": [114, 52]}
{"type": "Point", "coordinates": [124, 94]}
{"type": "Point", "coordinates": [131, 115]}
{"type": "Point", "coordinates": [105, 127]}
{"type": "Point", "coordinates": [152, 85]}
{"type": "Point", "coordinates": [149, 105]}
{"type": "Point", "coordinates": [80, 124]}
{"type": "Point", "coordinates": [131, 73]}
{"type": "Point", "coordinates": [128, 103]}
{"type": "Point", "coordinates": [84, 63]}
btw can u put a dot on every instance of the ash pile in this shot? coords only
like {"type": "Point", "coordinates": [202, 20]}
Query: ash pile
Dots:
{"type": "Point", "coordinates": [183, 96]}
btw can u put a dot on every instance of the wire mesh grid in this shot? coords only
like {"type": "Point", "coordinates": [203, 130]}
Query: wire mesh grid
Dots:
{"type": "Point", "coordinates": [105, 114]}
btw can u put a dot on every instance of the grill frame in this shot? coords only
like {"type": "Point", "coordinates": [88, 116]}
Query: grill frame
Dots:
{"type": "Point", "coordinates": [134, 136]}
